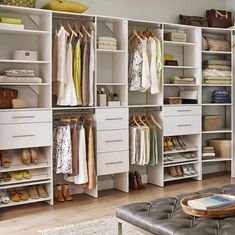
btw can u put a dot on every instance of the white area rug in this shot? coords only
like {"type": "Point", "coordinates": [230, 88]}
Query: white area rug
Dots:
{"type": "Point", "coordinates": [103, 226]}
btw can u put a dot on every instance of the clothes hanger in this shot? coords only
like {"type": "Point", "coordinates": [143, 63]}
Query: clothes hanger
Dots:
{"type": "Point", "coordinates": [76, 29]}
{"type": "Point", "coordinates": [70, 29]}
{"type": "Point", "coordinates": [59, 25]}
{"type": "Point", "coordinates": [154, 120]}
{"type": "Point", "coordinates": [141, 121]}
{"type": "Point", "coordinates": [84, 30]}
{"type": "Point", "coordinates": [133, 121]}
{"type": "Point", "coordinates": [144, 118]}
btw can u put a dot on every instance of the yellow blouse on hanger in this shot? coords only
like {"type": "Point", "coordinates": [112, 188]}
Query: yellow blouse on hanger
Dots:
{"type": "Point", "coordinates": [77, 72]}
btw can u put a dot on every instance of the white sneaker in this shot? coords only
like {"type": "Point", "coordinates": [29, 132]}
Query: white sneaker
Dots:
{"type": "Point", "coordinates": [4, 197]}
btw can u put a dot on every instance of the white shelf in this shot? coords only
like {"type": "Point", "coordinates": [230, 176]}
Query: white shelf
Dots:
{"type": "Point", "coordinates": [17, 165]}
{"type": "Point", "coordinates": [46, 181]}
{"type": "Point", "coordinates": [175, 85]}
{"type": "Point", "coordinates": [72, 108]}
{"type": "Point", "coordinates": [217, 160]}
{"type": "Point", "coordinates": [26, 109]}
{"type": "Point", "coordinates": [211, 30]}
{"type": "Point", "coordinates": [24, 32]}
{"type": "Point", "coordinates": [105, 51]}
{"type": "Point", "coordinates": [24, 61]}
{"type": "Point", "coordinates": [217, 104]}
{"type": "Point", "coordinates": [218, 131]}
{"type": "Point", "coordinates": [217, 85]}
{"type": "Point", "coordinates": [110, 84]}
{"type": "Point", "coordinates": [173, 43]}
{"type": "Point", "coordinates": [217, 52]}
{"type": "Point", "coordinates": [168, 178]}
{"type": "Point", "coordinates": [11, 203]}
{"type": "Point", "coordinates": [179, 67]}
{"type": "Point", "coordinates": [24, 84]}
{"type": "Point", "coordinates": [144, 105]}
{"type": "Point", "coordinates": [181, 161]}
{"type": "Point", "coordinates": [189, 149]}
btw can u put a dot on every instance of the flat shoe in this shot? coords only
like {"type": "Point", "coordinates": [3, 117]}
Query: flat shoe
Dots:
{"type": "Point", "coordinates": [15, 197]}
{"type": "Point", "coordinates": [25, 157]}
{"type": "Point", "coordinates": [27, 174]}
{"type": "Point", "coordinates": [33, 193]}
{"type": "Point", "coordinates": [5, 161]}
{"type": "Point", "coordinates": [17, 175]}
{"type": "Point", "coordinates": [22, 194]}
{"type": "Point", "coordinates": [4, 197]}
{"type": "Point", "coordinates": [5, 176]}
{"type": "Point", "coordinates": [33, 156]}
{"type": "Point", "coordinates": [42, 192]}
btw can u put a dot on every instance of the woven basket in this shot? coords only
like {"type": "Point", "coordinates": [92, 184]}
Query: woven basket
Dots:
{"type": "Point", "coordinates": [19, 3]}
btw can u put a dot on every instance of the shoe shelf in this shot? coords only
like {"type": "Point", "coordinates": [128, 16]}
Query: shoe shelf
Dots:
{"type": "Point", "coordinates": [24, 184]}
{"type": "Point", "coordinates": [173, 43]}
{"type": "Point", "coordinates": [179, 160]}
{"type": "Point", "coordinates": [188, 149]}
{"type": "Point", "coordinates": [17, 165]}
{"type": "Point", "coordinates": [11, 203]}
{"type": "Point", "coordinates": [26, 32]}
{"type": "Point", "coordinates": [168, 178]}
{"type": "Point", "coordinates": [216, 159]}
{"type": "Point", "coordinates": [217, 131]}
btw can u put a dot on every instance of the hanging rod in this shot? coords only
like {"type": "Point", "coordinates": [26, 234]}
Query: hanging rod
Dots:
{"type": "Point", "coordinates": [74, 18]}
{"type": "Point", "coordinates": [73, 112]}
{"type": "Point", "coordinates": [146, 109]}
{"type": "Point", "coordinates": [145, 26]}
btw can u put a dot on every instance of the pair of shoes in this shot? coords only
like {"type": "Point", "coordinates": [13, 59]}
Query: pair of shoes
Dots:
{"type": "Point", "coordinates": [178, 143]}
{"type": "Point", "coordinates": [168, 158]}
{"type": "Point", "coordinates": [36, 192]}
{"type": "Point", "coordinates": [168, 145]}
{"type": "Point", "coordinates": [19, 175]}
{"type": "Point", "coordinates": [135, 181]}
{"type": "Point", "coordinates": [63, 193]}
{"type": "Point", "coordinates": [19, 195]}
{"type": "Point", "coordinates": [189, 155]}
{"type": "Point", "coordinates": [4, 198]}
{"type": "Point", "coordinates": [5, 161]}
{"type": "Point", "coordinates": [29, 156]}
{"type": "Point", "coordinates": [175, 171]}
{"type": "Point", "coordinates": [5, 176]}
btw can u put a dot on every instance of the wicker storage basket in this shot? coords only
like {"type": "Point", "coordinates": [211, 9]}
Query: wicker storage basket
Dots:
{"type": "Point", "coordinates": [222, 147]}
{"type": "Point", "coordinates": [19, 3]}
{"type": "Point", "coordinates": [212, 123]}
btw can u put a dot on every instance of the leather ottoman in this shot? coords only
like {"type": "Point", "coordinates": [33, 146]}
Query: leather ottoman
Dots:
{"type": "Point", "coordinates": [165, 217]}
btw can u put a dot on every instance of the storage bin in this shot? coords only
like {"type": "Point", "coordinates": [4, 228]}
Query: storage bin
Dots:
{"type": "Point", "coordinates": [25, 55]}
{"type": "Point", "coordinates": [212, 123]}
{"type": "Point", "coordinates": [173, 100]}
{"type": "Point", "coordinates": [19, 3]}
{"type": "Point", "coordinates": [222, 147]}
{"type": "Point", "coordinates": [175, 36]}
{"type": "Point", "coordinates": [102, 100]}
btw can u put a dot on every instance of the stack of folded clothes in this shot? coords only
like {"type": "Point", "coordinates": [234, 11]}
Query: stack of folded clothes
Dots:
{"type": "Point", "coordinates": [208, 152]}
{"type": "Point", "coordinates": [11, 23]}
{"type": "Point", "coordinates": [220, 96]}
{"type": "Point", "coordinates": [19, 76]}
{"type": "Point", "coordinates": [182, 80]}
{"type": "Point", "coordinates": [107, 43]}
{"type": "Point", "coordinates": [217, 72]}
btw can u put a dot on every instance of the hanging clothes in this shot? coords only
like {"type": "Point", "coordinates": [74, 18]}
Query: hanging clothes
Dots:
{"type": "Point", "coordinates": [153, 147]}
{"type": "Point", "coordinates": [69, 97]}
{"type": "Point", "coordinates": [75, 149]}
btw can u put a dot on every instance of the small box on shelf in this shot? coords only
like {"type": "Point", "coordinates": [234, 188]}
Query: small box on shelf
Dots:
{"type": "Point", "coordinates": [102, 100]}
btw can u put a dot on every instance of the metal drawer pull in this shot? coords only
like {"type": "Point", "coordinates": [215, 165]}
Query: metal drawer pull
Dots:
{"type": "Point", "coordinates": [113, 141]}
{"type": "Point", "coordinates": [113, 163]}
{"type": "Point", "coordinates": [184, 125]}
{"type": "Point", "coordinates": [22, 136]}
{"type": "Point", "coordinates": [113, 119]}
{"type": "Point", "coordinates": [184, 110]}
{"type": "Point", "coordinates": [18, 117]}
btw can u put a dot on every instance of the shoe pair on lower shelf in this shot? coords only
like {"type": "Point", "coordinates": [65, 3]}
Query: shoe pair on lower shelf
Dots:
{"type": "Point", "coordinates": [4, 198]}
{"type": "Point", "coordinates": [176, 142]}
{"type": "Point", "coordinates": [19, 175]}
{"type": "Point", "coordinates": [29, 156]}
{"type": "Point", "coordinates": [63, 193]}
{"type": "Point", "coordinates": [189, 155]}
{"type": "Point", "coordinates": [18, 195]}
{"type": "Point", "coordinates": [135, 181]}
{"type": "Point", "coordinates": [36, 192]}
{"type": "Point", "coordinates": [5, 160]}
{"type": "Point", "coordinates": [183, 170]}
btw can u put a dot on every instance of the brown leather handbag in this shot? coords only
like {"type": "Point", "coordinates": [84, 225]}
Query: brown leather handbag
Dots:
{"type": "Point", "coordinates": [219, 19]}
{"type": "Point", "coordinates": [193, 20]}
{"type": "Point", "coordinates": [6, 96]}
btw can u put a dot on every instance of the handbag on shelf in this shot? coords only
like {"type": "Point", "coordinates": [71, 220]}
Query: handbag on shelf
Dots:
{"type": "Point", "coordinates": [218, 44]}
{"type": "Point", "coordinates": [193, 20]}
{"type": "Point", "coordinates": [219, 19]}
{"type": "Point", "coordinates": [6, 97]}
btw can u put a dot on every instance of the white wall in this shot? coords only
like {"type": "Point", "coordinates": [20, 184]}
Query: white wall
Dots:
{"type": "Point", "coordinates": [230, 4]}
{"type": "Point", "coordinates": [156, 10]}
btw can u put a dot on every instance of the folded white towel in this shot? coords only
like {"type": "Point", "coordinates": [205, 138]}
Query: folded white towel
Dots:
{"type": "Point", "coordinates": [109, 43]}
{"type": "Point", "coordinates": [107, 47]}
{"type": "Point", "coordinates": [111, 39]}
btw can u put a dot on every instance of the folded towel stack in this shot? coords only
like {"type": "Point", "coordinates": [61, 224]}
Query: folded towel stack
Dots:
{"type": "Point", "coordinates": [182, 80]}
{"type": "Point", "coordinates": [217, 72]}
{"type": "Point", "coordinates": [11, 23]}
{"type": "Point", "coordinates": [208, 152]}
{"type": "Point", "coordinates": [221, 96]}
{"type": "Point", "coordinates": [19, 76]}
{"type": "Point", "coordinates": [108, 43]}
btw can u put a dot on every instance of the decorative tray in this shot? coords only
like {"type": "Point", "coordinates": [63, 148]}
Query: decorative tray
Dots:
{"type": "Point", "coordinates": [220, 212]}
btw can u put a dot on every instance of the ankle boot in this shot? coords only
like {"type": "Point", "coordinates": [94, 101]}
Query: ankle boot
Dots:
{"type": "Point", "coordinates": [59, 194]}
{"type": "Point", "coordinates": [132, 181]}
{"type": "Point", "coordinates": [66, 193]}
{"type": "Point", "coordinates": [139, 180]}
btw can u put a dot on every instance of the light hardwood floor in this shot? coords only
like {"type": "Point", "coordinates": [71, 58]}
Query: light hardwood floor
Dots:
{"type": "Point", "coordinates": [28, 219]}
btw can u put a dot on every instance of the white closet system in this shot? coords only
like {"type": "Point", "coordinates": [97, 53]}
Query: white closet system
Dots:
{"type": "Point", "coordinates": [32, 127]}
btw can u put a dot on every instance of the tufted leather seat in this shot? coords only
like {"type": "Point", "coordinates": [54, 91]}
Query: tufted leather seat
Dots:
{"type": "Point", "coordinates": [165, 217]}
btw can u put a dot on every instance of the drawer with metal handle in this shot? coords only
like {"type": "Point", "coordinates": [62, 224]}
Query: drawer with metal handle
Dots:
{"type": "Point", "coordinates": [182, 111]}
{"type": "Point", "coordinates": [15, 136]}
{"type": "Point", "coordinates": [109, 141]}
{"type": "Point", "coordinates": [180, 125]}
{"type": "Point", "coordinates": [112, 119]}
{"type": "Point", "coordinates": [112, 163]}
{"type": "Point", "coordinates": [14, 117]}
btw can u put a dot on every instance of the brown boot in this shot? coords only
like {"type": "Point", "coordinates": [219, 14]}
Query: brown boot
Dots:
{"type": "Point", "coordinates": [66, 193]}
{"type": "Point", "coordinates": [139, 180]}
{"type": "Point", "coordinates": [132, 181]}
{"type": "Point", "coordinates": [59, 194]}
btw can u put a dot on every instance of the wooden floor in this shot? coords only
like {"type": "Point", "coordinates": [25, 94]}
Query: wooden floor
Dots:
{"type": "Point", "coordinates": [28, 219]}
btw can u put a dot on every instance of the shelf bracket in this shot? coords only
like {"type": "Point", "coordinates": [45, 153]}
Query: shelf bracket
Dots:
{"type": "Point", "coordinates": [34, 89]}
{"type": "Point", "coordinates": [109, 27]}
{"type": "Point", "coordinates": [34, 19]}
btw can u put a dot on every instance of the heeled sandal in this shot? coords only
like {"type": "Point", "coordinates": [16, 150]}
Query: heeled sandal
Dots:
{"type": "Point", "coordinates": [33, 156]}
{"type": "Point", "coordinates": [5, 161]}
{"type": "Point", "coordinates": [176, 144]}
{"type": "Point", "coordinates": [181, 142]}
{"type": "Point", "coordinates": [25, 157]}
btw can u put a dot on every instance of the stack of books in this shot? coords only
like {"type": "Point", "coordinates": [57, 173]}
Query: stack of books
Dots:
{"type": "Point", "coordinates": [182, 80]}
{"type": "Point", "coordinates": [211, 202]}
{"type": "Point", "coordinates": [11, 23]}
{"type": "Point", "coordinates": [208, 152]}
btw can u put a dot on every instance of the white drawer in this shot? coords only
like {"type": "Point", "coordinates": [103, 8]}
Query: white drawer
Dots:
{"type": "Point", "coordinates": [112, 119]}
{"type": "Point", "coordinates": [181, 125]}
{"type": "Point", "coordinates": [110, 141]}
{"type": "Point", "coordinates": [25, 117]}
{"type": "Point", "coordinates": [112, 163]}
{"type": "Point", "coordinates": [182, 110]}
{"type": "Point", "coordinates": [15, 136]}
